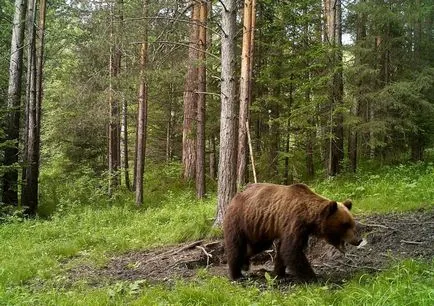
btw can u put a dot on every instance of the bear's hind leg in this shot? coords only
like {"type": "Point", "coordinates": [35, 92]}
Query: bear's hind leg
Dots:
{"type": "Point", "coordinates": [236, 251]}
{"type": "Point", "coordinates": [279, 265]}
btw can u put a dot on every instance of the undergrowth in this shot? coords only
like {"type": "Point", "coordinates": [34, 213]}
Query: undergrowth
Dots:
{"type": "Point", "coordinates": [81, 225]}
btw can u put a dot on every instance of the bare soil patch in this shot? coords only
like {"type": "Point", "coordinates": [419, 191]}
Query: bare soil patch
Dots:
{"type": "Point", "coordinates": [390, 237]}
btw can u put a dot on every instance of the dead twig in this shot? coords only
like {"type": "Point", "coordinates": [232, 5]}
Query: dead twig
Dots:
{"type": "Point", "coordinates": [412, 242]}
{"type": "Point", "coordinates": [378, 225]}
{"type": "Point", "coordinates": [208, 255]}
{"type": "Point", "coordinates": [187, 247]}
{"type": "Point", "coordinates": [171, 252]}
{"type": "Point", "coordinates": [211, 243]}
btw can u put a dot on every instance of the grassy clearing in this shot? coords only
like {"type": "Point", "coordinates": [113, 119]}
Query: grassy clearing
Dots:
{"type": "Point", "coordinates": [30, 259]}
{"type": "Point", "coordinates": [388, 189]}
{"type": "Point", "coordinates": [408, 283]}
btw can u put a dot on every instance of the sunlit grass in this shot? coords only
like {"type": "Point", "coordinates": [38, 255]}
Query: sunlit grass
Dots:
{"type": "Point", "coordinates": [400, 188]}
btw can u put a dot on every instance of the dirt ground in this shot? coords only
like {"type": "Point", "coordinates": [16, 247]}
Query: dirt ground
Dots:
{"type": "Point", "coordinates": [390, 237]}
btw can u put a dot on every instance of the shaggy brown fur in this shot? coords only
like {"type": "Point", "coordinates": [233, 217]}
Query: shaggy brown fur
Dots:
{"type": "Point", "coordinates": [264, 213]}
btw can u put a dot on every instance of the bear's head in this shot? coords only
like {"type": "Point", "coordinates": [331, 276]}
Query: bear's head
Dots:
{"type": "Point", "coordinates": [339, 226]}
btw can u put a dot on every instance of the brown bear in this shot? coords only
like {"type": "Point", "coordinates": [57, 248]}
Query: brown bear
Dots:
{"type": "Point", "coordinates": [288, 215]}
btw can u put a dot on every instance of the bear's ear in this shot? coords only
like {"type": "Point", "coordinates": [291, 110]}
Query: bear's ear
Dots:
{"type": "Point", "coordinates": [348, 204]}
{"type": "Point", "coordinates": [330, 209]}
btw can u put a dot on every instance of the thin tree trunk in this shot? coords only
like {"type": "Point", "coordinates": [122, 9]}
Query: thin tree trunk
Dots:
{"type": "Point", "coordinates": [115, 126]}
{"type": "Point", "coordinates": [288, 177]}
{"type": "Point", "coordinates": [417, 143]}
{"type": "Point", "coordinates": [201, 103]}
{"type": "Point", "coordinates": [124, 158]}
{"type": "Point", "coordinates": [228, 120]}
{"type": "Point", "coordinates": [30, 188]}
{"type": "Point", "coordinates": [30, 87]}
{"type": "Point", "coordinates": [142, 111]}
{"type": "Point", "coordinates": [124, 131]}
{"type": "Point", "coordinates": [356, 109]}
{"type": "Point", "coordinates": [245, 92]}
{"type": "Point", "coordinates": [190, 100]}
{"type": "Point", "coordinates": [169, 128]}
{"type": "Point", "coordinates": [334, 37]}
{"type": "Point", "coordinates": [10, 178]}
{"type": "Point", "coordinates": [212, 158]}
{"type": "Point", "coordinates": [39, 89]}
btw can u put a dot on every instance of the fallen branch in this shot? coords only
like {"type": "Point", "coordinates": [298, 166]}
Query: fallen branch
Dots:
{"type": "Point", "coordinates": [211, 243]}
{"type": "Point", "coordinates": [171, 253]}
{"type": "Point", "coordinates": [187, 247]}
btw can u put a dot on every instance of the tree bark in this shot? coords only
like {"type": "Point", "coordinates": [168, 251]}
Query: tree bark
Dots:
{"type": "Point", "coordinates": [228, 119]}
{"type": "Point", "coordinates": [124, 132]}
{"type": "Point", "coordinates": [124, 156]}
{"type": "Point", "coordinates": [190, 100]}
{"type": "Point", "coordinates": [288, 176]}
{"type": "Point", "coordinates": [212, 158]}
{"type": "Point", "coordinates": [30, 188]}
{"type": "Point", "coordinates": [10, 178]}
{"type": "Point", "coordinates": [245, 91]}
{"type": "Point", "coordinates": [333, 33]}
{"type": "Point", "coordinates": [201, 102]}
{"type": "Point", "coordinates": [358, 107]}
{"type": "Point", "coordinates": [142, 111]}
{"type": "Point", "coordinates": [115, 125]}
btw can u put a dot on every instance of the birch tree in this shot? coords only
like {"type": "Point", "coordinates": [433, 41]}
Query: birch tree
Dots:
{"type": "Point", "coordinates": [10, 178]}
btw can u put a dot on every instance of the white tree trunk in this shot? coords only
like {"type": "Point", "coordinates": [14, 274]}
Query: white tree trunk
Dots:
{"type": "Point", "coordinates": [10, 178]}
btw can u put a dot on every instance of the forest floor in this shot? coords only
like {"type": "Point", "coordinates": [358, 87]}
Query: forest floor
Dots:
{"type": "Point", "coordinates": [390, 238]}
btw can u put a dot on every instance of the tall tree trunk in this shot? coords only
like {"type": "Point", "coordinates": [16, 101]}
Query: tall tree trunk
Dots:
{"type": "Point", "coordinates": [201, 103]}
{"type": "Point", "coordinates": [124, 138]}
{"type": "Point", "coordinates": [245, 90]}
{"type": "Point", "coordinates": [10, 178]}
{"type": "Point", "coordinates": [124, 156]}
{"type": "Point", "coordinates": [142, 112]}
{"type": "Point", "coordinates": [190, 100]}
{"type": "Point", "coordinates": [30, 188]}
{"type": "Point", "coordinates": [287, 175]}
{"type": "Point", "coordinates": [417, 139]}
{"type": "Point", "coordinates": [333, 16]}
{"type": "Point", "coordinates": [171, 113]}
{"type": "Point", "coordinates": [228, 118]}
{"type": "Point", "coordinates": [358, 106]}
{"type": "Point", "coordinates": [115, 126]}
{"type": "Point", "coordinates": [30, 87]}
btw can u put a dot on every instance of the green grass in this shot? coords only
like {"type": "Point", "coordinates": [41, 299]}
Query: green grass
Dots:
{"type": "Point", "coordinates": [91, 229]}
{"type": "Point", "coordinates": [388, 189]}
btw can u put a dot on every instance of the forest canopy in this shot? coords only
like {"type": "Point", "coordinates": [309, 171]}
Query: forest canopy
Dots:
{"type": "Point", "coordinates": [108, 90]}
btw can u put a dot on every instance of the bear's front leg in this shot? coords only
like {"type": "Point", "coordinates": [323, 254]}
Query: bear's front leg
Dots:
{"type": "Point", "coordinates": [291, 250]}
